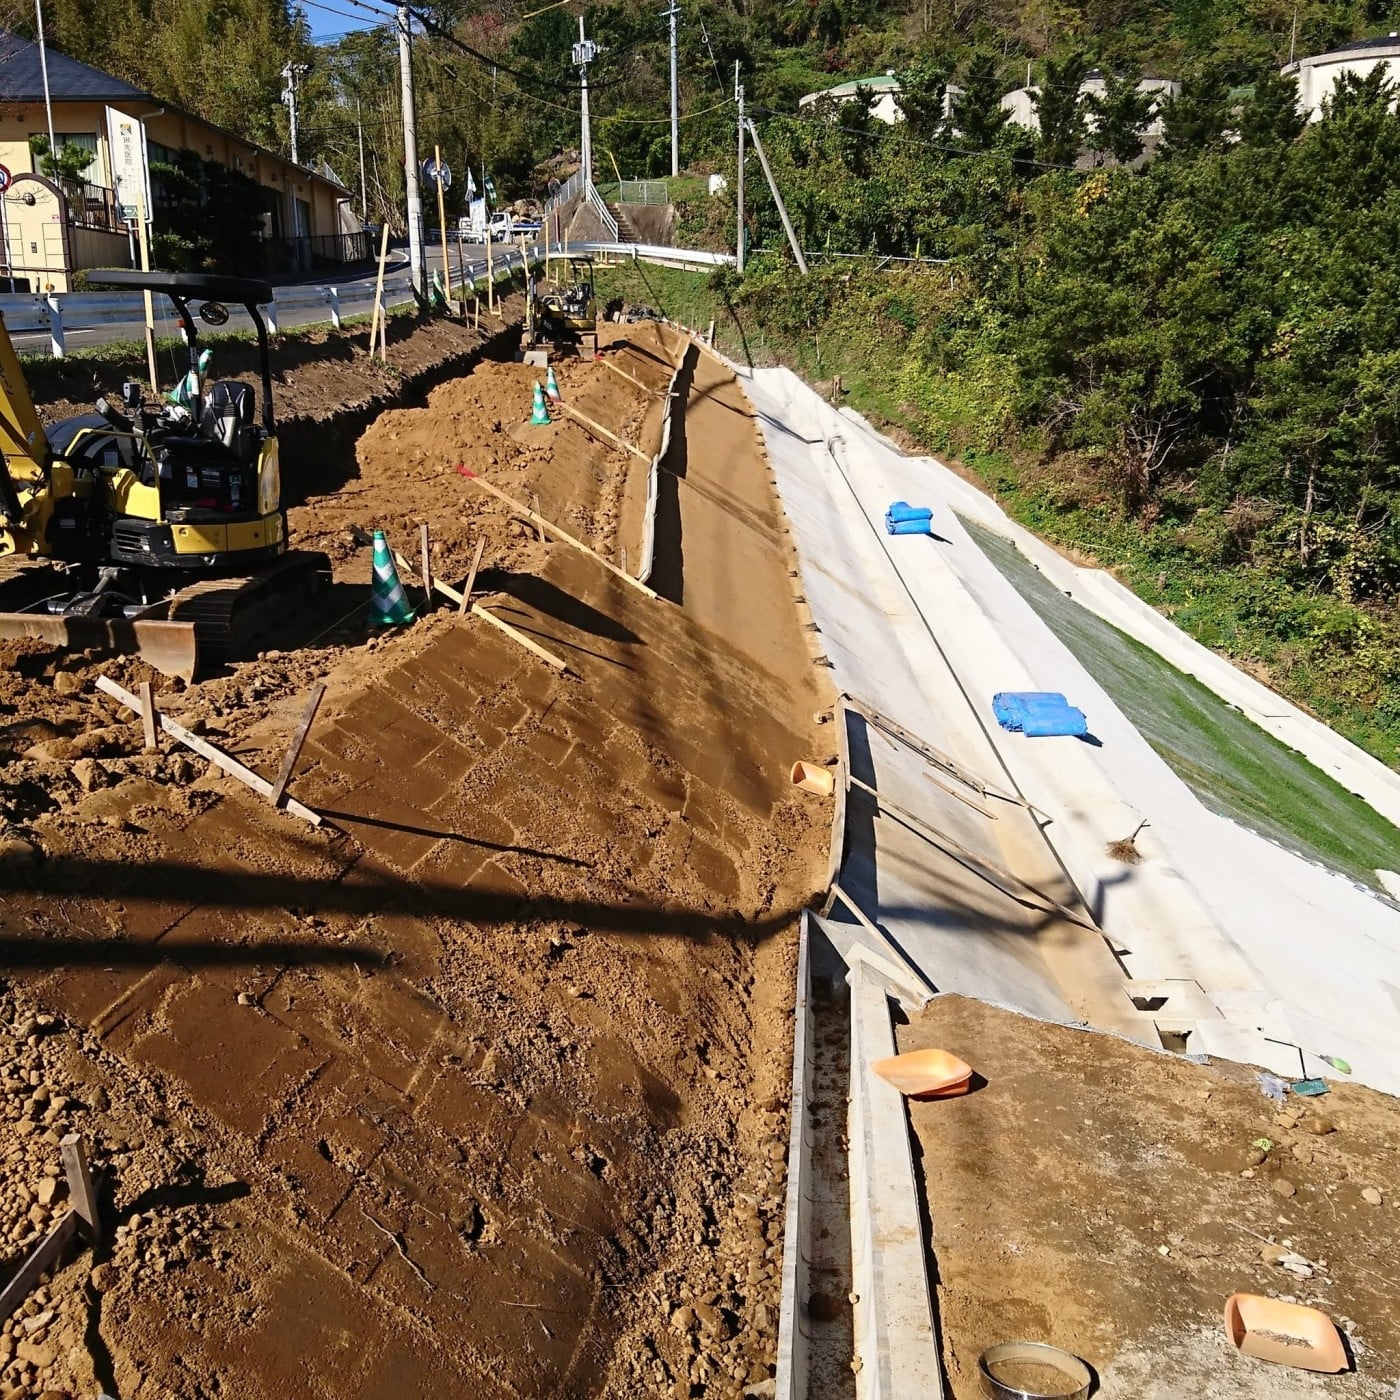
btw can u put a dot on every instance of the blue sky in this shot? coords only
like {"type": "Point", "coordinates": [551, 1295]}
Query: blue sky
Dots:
{"type": "Point", "coordinates": [328, 25]}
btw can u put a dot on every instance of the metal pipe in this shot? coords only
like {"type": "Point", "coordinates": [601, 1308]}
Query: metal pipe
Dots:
{"type": "Point", "coordinates": [778, 200]}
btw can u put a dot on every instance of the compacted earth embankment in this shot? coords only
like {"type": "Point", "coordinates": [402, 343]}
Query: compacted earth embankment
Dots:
{"type": "Point", "coordinates": [482, 1084]}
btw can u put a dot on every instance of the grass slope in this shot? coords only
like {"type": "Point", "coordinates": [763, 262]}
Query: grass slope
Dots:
{"type": "Point", "coordinates": [1231, 764]}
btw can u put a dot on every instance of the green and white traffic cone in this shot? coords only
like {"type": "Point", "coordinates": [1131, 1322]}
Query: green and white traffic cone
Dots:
{"type": "Point", "coordinates": [551, 386]}
{"type": "Point", "coordinates": [539, 414]}
{"type": "Point", "coordinates": [388, 603]}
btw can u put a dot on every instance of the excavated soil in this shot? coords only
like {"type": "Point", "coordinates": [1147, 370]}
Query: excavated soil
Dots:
{"type": "Point", "coordinates": [482, 1086]}
{"type": "Point", "coordinates": [1107, 1199]}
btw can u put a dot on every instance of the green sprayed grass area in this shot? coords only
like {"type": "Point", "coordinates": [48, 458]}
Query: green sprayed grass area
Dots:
{"type": "Point", "coordinates": [1231, 764]}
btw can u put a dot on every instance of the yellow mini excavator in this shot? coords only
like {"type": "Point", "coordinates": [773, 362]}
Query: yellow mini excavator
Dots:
{"type": "Point", "coordinates": [566, 316]}
{"type": "Point", "coordinates": [151, 528]}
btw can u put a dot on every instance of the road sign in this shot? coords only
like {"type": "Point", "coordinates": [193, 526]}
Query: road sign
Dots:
{"type": "Point", "coordinates": [4, 179]}
{"type": "Point", "coordinates": [430, 173]}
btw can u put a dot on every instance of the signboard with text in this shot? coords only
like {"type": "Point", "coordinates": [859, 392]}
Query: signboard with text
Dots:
{"type": "Point", "coordinates": [131, 171]}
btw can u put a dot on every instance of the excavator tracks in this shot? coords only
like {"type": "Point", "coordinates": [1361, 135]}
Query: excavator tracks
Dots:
{"type": "Point", "coordinates": [203, 627]}
{"type": "Point", "coordinates": [234, 617]}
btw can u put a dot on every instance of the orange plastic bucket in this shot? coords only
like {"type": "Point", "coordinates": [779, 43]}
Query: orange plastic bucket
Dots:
{"type": "Point", "coordinates": [926, 1074]}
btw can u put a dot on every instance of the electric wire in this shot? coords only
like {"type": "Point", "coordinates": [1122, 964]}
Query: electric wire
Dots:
{"type": "Point", "coordinates": [340, 14]}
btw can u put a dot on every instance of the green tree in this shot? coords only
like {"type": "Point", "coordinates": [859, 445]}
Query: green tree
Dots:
{"type": "Point", "coordinates": [1119, 115]}
{"type": "Point", "coordinates": [923, 97]}
{"type": "Point", "coordinates": [1271, 116]}
{"type": "Point", "coordinates": [978, 115]}
{"type": "Point", "coordinates": [68, 166]}
{"type": "Point", "coordinates": [1197, 118]}
{"type": "Point", "coordinates": [1059, 104]}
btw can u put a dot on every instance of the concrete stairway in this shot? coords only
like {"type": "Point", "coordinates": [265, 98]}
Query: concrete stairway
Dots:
{"type": "Point", "coordinates": [626, 229]}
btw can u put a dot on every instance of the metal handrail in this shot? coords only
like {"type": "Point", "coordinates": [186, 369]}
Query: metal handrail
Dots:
{"type": "Point", "coordinates": [605, 215]}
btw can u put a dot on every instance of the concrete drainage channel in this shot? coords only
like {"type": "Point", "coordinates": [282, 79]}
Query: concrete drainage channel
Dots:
{"type": "Point", "coordinates": [857, 1311]}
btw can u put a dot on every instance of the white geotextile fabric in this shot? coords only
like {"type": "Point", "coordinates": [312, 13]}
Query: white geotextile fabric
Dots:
{"type": "Point", "coordinates": [1287, 953]}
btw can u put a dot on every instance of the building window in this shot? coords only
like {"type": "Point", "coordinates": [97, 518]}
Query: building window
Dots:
{"type": "Point", "coordinates": [80, 140]}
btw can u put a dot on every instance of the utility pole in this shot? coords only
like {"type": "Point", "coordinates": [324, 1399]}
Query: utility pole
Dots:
{"type": "Point", "coordinates": [673, 14]}
{"type": "Point", "coordinates": [291, 75]}
{"type": "Point", "coordinates": [360, 131]}
{"type": "Point", "coordinates": [778, 200]}
{"type": "Point", "coordinates": [585, 51]}
{"type": "Point", "coordinates": [410, 161]}
{"type": "Point", "coordinates": [44, 65]}
{"type": "Point", "coordinates": [739, 230]}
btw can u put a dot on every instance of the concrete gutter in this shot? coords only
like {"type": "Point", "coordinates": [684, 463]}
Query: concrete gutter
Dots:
{"type": "Point", "coordinates": [895, 1343]}
{"type": "Point", "coordinates": [674, 411]}
{"type": "Point", "coordinates": [792, 1332]}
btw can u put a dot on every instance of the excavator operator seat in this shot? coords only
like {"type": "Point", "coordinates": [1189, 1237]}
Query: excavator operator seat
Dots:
{"type": "Point", "coordinates": [211, 471]}
{"type": "Point", "coordinates": [227, 418]}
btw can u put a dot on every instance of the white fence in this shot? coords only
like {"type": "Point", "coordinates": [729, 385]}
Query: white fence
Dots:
{"type": "Point", "coordinates": [60, 316]}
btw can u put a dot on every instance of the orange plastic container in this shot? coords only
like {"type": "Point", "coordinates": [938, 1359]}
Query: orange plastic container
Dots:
{"type": "Point", "coordinates": [926, 1074]}
{"type": "Point", "coordinates": [812, 777]}
{"type": "Point", "coordinates": [1286, 1333]}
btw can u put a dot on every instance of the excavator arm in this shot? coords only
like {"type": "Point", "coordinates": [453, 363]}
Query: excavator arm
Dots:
{"type": "Point", "coordinates": [24, 448]}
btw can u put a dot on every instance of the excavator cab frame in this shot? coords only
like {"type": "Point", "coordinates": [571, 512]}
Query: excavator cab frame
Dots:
{"type": "Point", "coordinates": [141, 516]}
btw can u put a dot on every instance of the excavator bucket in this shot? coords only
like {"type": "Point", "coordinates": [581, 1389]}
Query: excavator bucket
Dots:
{"type": "Point", "coordinates": [172, 648]}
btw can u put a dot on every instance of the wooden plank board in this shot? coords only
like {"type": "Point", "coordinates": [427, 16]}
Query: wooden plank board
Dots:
{"type": "Point", "coordinates": [204, 749]}
{"type": "Point", "coordinates": [598, 430]}
{"type": "Point", "coordinates": [563, 535]}
{"type": "Point", "coordinates": [645, 388]}
{"type": "Point", "coordinates": [44, 1257]}
{"type": "Point", "coordinates": [529, 643]}
{"type": "Point", "coordinates": [284, 777]}
{"type": "Point", "coordinates": [880, 936]}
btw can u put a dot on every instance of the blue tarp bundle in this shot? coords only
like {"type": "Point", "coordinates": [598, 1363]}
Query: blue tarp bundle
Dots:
{"type": "Point", "coordinates": [903, 519]}
{"type": "Point", "coordinates": [1038, 714]}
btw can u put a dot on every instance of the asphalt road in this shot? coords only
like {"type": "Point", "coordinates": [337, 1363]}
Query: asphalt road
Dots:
{"type": "Point", "coordinates": [298, 303]}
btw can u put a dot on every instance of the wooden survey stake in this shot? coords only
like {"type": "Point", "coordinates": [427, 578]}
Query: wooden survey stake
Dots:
{"type": "Point", "coordinates": [150, 725]}
{"type": "Point", "coordinates": [427, 573]}
{"type": "Point", "coordinates": [72, 1150]}
{"type": "Point", "coordinates": [289, 763]}
{"type": "Point", "coordinates": [471, 575]}
{"type": "Point", "coordinates": [205, 749]}
{"type": "Point", "coordinates": [377, 320]}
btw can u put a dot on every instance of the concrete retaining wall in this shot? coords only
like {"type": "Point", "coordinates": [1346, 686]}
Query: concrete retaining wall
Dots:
{"type": "Point", "coordinates": [675, 411]}
{"type": "Point", "coordinates": [1102, 594]}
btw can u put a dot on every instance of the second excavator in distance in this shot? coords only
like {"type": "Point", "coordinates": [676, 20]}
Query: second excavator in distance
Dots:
{"type": "Point", "coordinates": [562, 317]}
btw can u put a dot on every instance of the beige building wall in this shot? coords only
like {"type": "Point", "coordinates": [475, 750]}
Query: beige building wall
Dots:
{"type": "Point", "coordinates": [1318, 76]}
{"type": "Point", "coordinates": [33, 240]}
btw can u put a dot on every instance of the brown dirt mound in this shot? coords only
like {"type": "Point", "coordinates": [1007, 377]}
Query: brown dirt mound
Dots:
{"type": "Point", "coordinates": [501, 1063]}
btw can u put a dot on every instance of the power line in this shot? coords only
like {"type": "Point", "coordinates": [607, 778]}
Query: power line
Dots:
{"type": "Point", "coordinates": [340, 14]}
